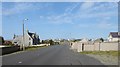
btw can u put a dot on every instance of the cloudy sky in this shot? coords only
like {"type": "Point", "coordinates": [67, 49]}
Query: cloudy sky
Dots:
{"type": "Point", "coordinates": [60, 19]}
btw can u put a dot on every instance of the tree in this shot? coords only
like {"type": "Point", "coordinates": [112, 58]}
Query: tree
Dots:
{"type": "Point", "coordinates": [90, 39]}
{"type": "Point", "coordinates": [42, 42]}
{"type": "Point", "coordinates": [51, 42]}
{"type": "Point", "coordinates": [1, 40]}
{"type": "Point", "coordinates": [102, 39]}
{"type": "Point", "coordinates": [62, 40]}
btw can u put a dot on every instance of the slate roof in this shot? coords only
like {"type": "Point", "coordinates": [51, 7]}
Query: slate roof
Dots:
{"type": "Point", "coordinates": [115, 34]}
{"type": "Point", "coordinates": [31, 34]}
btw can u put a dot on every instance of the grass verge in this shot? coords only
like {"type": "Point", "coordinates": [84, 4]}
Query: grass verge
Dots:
{"type": "Point", "coordinates": [34, 47]}
{"type": "Point", "coordinates": [112, 53]}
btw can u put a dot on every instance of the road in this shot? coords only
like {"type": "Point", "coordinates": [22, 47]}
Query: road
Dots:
{"type": "Point", "coordinates": [52, 55]}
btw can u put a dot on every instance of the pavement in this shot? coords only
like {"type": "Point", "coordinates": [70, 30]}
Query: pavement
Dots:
{"type": "Point", "coordinates": [51, 55]}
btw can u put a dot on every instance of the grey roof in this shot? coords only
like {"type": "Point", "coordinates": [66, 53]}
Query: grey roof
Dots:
{"type": "Point", "coordinates": [115, 34]}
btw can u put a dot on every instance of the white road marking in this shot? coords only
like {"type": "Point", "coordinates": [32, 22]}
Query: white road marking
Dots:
{"type": "Point", "coordinates": [19, 62]}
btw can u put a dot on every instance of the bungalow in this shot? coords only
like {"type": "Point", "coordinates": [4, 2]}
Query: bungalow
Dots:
{"type": "Point", "coordinates": [114, 36]}
{"type": "Point", "coordinates": [30, 39]}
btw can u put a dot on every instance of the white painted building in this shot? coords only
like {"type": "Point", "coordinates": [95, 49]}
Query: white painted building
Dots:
{"type": "Point", "coordinates": [30, 39]}
{"type": "Point", "coordinates": [114, 36]}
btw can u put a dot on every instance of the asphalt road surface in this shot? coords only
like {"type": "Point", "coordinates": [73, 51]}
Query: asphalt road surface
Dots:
{"type": "Point", "coordinates": [52, 55]}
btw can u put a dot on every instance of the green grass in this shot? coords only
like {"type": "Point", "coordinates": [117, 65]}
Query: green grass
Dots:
{"type": "Point", "coordinates": [113, 53]}
{"type": "Point", "coordinates": [34, 47]}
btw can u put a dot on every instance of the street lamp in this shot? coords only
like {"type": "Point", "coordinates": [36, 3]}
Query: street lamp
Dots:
{"type": "Point", "coordinates": [23, 35]}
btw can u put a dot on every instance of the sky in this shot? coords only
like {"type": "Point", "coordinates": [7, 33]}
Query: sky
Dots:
{"type": "Point", "coordinates": [53, 20]}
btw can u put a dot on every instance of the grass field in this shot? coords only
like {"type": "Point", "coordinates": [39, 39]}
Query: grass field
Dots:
{"type": "Point", "coordinates": [112, 53]}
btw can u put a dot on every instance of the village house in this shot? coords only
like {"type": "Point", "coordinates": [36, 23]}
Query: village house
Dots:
{"type": "Point", "coordinates": [29, 39]}
{"type": "Point", "coordinates": [114, 37]}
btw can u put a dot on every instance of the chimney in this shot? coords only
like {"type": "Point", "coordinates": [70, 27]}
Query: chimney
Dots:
{"type": "Point", "coordinates": [118, 33]}
{"type": "Point", "coordinates": [14, 36]}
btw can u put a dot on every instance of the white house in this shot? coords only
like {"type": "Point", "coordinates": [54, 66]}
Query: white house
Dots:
{"type": "Point", "coordinates": [114, 36]}
{"type": "Point", "coordinates": [30, 39]}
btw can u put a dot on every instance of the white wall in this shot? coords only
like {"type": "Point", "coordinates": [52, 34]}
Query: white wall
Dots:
{"type": "Point", "coordinates": [27, 40]}
{"type": "Point", "coordinates": [114, 39]}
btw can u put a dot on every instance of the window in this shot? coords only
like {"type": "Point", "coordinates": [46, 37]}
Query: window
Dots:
{"type": "Point", "coordinates": [29, 43]}
{"type": "Point", "coordinates": [15, 42]}
{"type": "Point", "coordinates": [29, 38]}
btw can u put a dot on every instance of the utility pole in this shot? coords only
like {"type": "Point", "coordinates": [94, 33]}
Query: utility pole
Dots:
{"type": "Point", "coordinates": [23, 35]}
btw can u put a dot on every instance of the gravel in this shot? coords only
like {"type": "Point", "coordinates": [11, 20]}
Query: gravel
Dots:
{"type": "Point", "coordinates": [105, 59]}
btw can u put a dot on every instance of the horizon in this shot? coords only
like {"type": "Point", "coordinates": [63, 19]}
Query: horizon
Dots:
{"type": "Point", "coordinates": [54, 20]}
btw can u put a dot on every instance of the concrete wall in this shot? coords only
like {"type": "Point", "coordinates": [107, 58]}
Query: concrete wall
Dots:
{"type": "Point", "coordinates": [106, 46]}
{"type": "Point", "coordinates": [75, 46]}
{"type": "Point", "coordinates": [79, 48]}
{"type": "Point", "coordinates": [97, 46]}
{"type": "Point", "coordinates": [88, 47]}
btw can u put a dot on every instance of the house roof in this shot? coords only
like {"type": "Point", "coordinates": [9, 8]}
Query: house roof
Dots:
{"type": "Point", "coordinates": [84, 40]}
{"type": "Point", "coordinates": [115, 34]}
{"type": "Point", "coordinates": [31, 34]}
